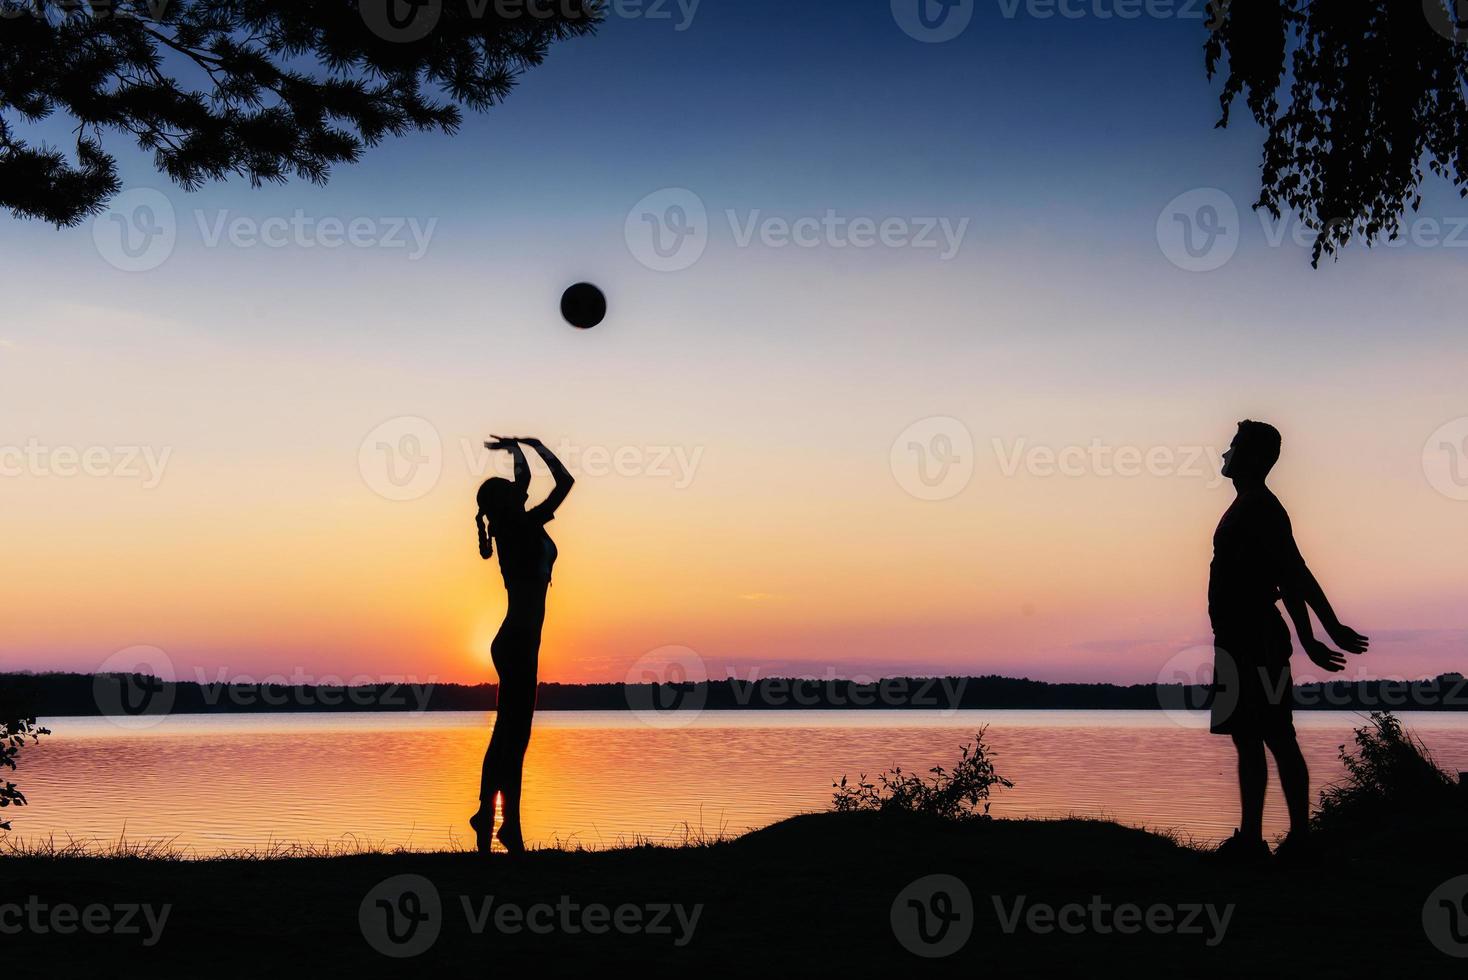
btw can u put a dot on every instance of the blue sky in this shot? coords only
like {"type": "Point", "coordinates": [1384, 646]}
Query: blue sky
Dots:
{"type": "Point", "coordinates": [1058, 144]}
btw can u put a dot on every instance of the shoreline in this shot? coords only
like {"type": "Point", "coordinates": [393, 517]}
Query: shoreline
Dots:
{"type": "Point", "coordinates": [807, 893]}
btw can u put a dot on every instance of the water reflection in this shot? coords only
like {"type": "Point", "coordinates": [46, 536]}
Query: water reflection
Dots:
{"type": "Point", "coordinates": [597, 779]}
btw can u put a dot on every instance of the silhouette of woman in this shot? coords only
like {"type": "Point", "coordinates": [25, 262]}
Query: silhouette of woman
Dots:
{"type": "Point", "coordinates": [526, 556]}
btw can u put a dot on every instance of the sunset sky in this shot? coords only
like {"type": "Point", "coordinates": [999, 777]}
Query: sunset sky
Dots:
{"type": "Point", "coordinates": [733, 422]}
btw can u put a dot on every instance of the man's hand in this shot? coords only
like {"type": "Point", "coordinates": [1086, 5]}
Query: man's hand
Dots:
{"type": "Point", "coordinates": [1324, 657]}
{"type": "Point", "coordinates": [1347, 639]}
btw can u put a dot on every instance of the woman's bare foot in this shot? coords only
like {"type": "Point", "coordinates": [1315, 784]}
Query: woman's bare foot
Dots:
{"type": "Point", "coordinates": [483, 825]}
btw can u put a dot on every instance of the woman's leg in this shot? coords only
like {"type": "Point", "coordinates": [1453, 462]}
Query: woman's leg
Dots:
{"type": "Point", "coordinates": [516, 656]}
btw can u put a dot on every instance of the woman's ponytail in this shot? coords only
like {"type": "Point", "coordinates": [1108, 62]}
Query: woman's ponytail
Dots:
{"type": "Point", "coordinates": [481, 526]}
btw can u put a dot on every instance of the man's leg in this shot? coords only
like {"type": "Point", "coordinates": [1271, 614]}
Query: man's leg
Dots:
{"type": "Point", "coordinates": [1253, 777]}
{"type": "Point", "coordinates": [1294, 776]}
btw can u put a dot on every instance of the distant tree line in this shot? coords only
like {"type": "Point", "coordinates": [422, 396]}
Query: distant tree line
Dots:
{"type": "Point", "coordinates": [65, 694]}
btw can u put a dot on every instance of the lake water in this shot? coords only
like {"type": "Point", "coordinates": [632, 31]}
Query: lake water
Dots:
{"type": "Point", "coordinates": [217, 783]}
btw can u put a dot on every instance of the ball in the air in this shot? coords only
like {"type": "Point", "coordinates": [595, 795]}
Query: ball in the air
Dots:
{"type": "Point", "coordinates": [583, 305]}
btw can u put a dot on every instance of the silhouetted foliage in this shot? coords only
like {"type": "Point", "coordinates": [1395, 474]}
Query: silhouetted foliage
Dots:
{"type": "Point", "coordinates": [16, 728]}
{"type": "Point", "coordinates": [962, 794]}
{"type": "Point", "coordinates": [58, 694]}
{"type": "Point", "coordinates": [1390, 777]}
{"type": "Point", "coordinates": [264, 89]}
{"type": "Point", "coordinates": [1354, 96]}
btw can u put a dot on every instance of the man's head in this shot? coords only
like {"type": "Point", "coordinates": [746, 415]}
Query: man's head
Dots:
{"type": "Point", "coordinates": [1253, 452]}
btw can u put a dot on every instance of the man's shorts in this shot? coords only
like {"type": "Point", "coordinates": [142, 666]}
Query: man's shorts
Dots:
{"type": "Point", "coordinates": [1253, 690]}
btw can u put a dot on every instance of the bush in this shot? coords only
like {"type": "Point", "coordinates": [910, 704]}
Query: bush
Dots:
{"type": "Point", "coordinates": [16, 728]}
{"type": "Point", "coordinates": [962, 794]}
{"type": "Point", "coordinates": [1391, 778]}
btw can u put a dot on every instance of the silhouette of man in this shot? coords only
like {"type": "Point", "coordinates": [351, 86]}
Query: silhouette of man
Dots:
{"type": "Point", "coordinates": [1256, 564]}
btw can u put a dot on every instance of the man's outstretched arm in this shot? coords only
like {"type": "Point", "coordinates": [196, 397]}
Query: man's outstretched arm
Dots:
{"type": "Point", "coordinates": [1322, 655]}
{"type": "Point", "coordinates": [1302, 592]}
